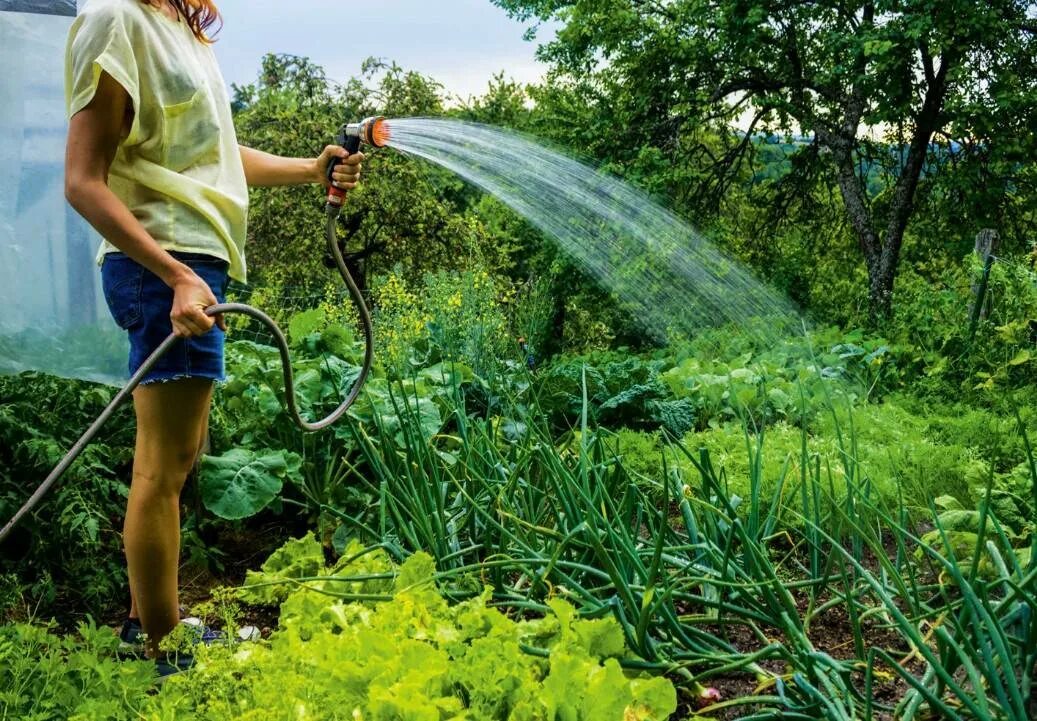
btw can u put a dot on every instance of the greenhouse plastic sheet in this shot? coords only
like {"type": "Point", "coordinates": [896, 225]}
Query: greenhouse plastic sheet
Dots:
{"type": "Point", "coordinates": [54, 317]}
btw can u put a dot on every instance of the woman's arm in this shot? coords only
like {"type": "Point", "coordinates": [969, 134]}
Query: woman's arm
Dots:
{"type": "Point", "coordinates": [264, 169]}
{"type": "Point", "coordinates": [94, 135]}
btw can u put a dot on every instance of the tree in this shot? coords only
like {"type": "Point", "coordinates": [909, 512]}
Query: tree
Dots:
{"type": "Point", "coordinates": [898, 85]}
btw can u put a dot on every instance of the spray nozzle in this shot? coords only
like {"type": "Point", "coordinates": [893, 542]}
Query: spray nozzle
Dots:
{"type": "Point", "coordinates": [373, 131]}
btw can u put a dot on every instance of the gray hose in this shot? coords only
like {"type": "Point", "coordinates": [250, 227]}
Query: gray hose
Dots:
{"type": "Point", "coordinates": [286, 365]}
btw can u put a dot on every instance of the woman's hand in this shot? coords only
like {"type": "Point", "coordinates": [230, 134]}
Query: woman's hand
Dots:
{"type": "Point", "coordinates": [191, 296]}
{"type": "Point", "coordinates": [347, 173]}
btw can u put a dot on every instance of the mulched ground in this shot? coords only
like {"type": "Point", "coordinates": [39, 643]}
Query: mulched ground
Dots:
{"type": "Point", "coordinates": [831, 633]}
{"type": "Point", "coordinates": [244, 550]}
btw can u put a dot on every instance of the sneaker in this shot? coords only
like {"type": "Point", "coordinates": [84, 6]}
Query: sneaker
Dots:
{"type": "Point", "coordinates": [205, 634]}
{"type": "Point", "coordinates": [171, 664]}
{"type": "Point", "coordinates": [131, 643]}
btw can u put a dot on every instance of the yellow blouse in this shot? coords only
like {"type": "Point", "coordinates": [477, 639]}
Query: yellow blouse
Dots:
{"type": "Point", "coordinates": [179, 170]}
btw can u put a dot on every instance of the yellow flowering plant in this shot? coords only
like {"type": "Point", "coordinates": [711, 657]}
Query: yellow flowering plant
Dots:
{"type": "Point", "coordinates": [456, 316]}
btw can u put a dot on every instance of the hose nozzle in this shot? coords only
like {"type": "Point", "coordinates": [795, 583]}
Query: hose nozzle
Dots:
{"type": "Point", "coordinates": [373, 131]}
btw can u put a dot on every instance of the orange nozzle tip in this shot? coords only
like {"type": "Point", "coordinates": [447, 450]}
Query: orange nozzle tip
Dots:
{"type": "Point", "coordinates": [380, 133]}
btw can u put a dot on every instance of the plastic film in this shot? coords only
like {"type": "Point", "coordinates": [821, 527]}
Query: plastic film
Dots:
{"type": "Point", "coordinates": [52, 317]}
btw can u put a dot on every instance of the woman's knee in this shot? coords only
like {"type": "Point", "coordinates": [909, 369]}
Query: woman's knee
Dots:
{"type": "Point", "coordinates": [165, 472]}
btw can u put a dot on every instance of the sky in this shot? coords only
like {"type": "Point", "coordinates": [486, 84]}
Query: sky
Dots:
{"type": "Point", "coordinates": [460, 43]}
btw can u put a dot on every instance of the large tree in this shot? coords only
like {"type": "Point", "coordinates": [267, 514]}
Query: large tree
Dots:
{"type": "Point", "coordinates": [888, 86]}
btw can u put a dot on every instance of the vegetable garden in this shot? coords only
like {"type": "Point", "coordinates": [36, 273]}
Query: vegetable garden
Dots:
{"type": "Point", "coordinates": [586, 524]}
{"type": "Point", "coordinates": [610, 536]}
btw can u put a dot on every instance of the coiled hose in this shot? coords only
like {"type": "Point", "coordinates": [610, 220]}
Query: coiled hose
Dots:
{"type": "Point", "coordinates": [305, 426]}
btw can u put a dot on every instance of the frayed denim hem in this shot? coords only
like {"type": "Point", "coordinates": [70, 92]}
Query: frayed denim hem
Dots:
{"type": "Point", "coordinates": [162, 379]}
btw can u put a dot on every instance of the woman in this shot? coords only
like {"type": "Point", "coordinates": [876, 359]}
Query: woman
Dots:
{"type": "Point", "coordinates": [154, 165]}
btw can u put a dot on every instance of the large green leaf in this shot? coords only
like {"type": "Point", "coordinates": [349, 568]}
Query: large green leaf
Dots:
{"type": "Point", "coordinates": [306, 323]}
{"type": "Point", "coordinates": [241, 483]}
{"type": "Point", "coordinates": [393, 412]}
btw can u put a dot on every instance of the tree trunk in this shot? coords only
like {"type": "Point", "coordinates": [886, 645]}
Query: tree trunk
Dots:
{"type": "Point", "coordinates": [882, 251]}
{"type": "Point", "coordinates": [880, 291]}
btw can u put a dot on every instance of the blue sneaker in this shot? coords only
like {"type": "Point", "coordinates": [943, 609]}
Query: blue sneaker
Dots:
{"type": "Point", "coordinates": [130, 644]}
{"type": "Point", "coordinates": [205, 635]}
{"type": "Point", "coordinates": [131, 637]}
{"type": "Point", "coordinates": [172, 664]}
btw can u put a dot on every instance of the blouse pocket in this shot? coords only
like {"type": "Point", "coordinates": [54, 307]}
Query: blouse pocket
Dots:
{"type": "Point", "coordinates": [190, 132]}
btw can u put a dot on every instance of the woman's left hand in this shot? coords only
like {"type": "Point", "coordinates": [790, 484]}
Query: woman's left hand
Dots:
{"type": "Point", "coordinates": [347, 172]}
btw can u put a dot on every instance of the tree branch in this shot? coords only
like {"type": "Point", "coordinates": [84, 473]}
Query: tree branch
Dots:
{"type": "Point", "coordinates": [902, 202]}
{"type": "Point", "coordinates": [842, 143]}
{"type": "Point", "coordinates": [927, 63]}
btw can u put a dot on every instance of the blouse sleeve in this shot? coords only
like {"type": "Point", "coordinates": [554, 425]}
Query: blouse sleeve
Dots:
{"type": "Point", "coordinates": [100, 40]}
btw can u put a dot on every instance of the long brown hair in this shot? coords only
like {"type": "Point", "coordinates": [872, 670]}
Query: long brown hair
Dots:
{"type": "Point", "coordinates": [199, 14]}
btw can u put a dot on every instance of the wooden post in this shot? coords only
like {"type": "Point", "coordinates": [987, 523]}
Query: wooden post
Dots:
{"type": "Point", "coordinates": [987, 243]}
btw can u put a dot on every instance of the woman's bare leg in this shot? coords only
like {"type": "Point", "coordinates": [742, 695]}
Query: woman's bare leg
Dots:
{"type": "Point", "coordinates": [170, 420]}
{"type": "Point", "coordinates": [203, 440]}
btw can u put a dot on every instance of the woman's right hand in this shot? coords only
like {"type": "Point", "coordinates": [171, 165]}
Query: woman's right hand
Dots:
{"type": "Point", "coordinates": [191, 296]}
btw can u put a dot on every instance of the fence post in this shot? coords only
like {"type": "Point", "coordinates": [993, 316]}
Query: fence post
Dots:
{"type": "Point", "coordinates": [987, 241]}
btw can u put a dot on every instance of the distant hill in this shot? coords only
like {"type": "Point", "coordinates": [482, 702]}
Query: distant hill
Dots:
{"type": "Point", "coordinates": [773, 153]}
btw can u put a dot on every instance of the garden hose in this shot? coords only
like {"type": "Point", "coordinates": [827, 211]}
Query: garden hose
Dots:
{"type": "Point", "coordinates": [350, 137]}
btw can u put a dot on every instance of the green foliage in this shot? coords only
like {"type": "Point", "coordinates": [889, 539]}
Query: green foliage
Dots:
{"type": "Point", "coordinates": [904, 458]}
{"type": "Point", "coordinates": [294, 110]}
{"type": "Point", "coordinates": [934, 314]}
{"type": "Point", "coordinates": [260, 458]}
{"type": "Point", "coordinates": [658, 90]}
{"type": "Point", "coordinates": [46, 677]}
{"type": "Point", "coordinates": [622, 390]}
{"type": "Point", "coordinates": [71, 547]}
{"type": "Point", "coordinates": [384, 407]}
{"type": "Point", "coordinates": [958, 534]}
{"type": "Point", "coordinates": [298, 558]}
{"type": "Point", "coordinates": [627, 507]}
{"type": "Point", "coordinates": [535, 517]}
{"type": "Point", "coordinates": [699, 386]}
{"type": "Point", "coordinates": [718, 525]}
{"type": "Point", "coordinates": [412, 656]}
{"type": "Point", "coordinates": [417, 657]}
{"type": "Point", "coordinates": [455, 317]}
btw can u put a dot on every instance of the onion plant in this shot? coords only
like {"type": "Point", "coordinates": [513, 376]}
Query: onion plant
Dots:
{"type": "Point", "coordinates": [682, 563]}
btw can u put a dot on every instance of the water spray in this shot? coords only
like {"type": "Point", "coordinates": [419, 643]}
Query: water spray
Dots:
{"type": "Point", "coordinates": [371, 131]}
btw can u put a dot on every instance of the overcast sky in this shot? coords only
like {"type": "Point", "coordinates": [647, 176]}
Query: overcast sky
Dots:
{"type": "Point", "coordinates": [461, 43]}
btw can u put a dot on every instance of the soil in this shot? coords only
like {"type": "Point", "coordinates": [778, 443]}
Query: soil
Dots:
{"type": "Point", "coordinates": [244, 549]}
{"type": "Point", "coordinates": [830, 633]}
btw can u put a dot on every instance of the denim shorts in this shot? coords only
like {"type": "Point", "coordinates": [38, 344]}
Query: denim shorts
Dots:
{"type": "Point", "coordinates": [140, 303]}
